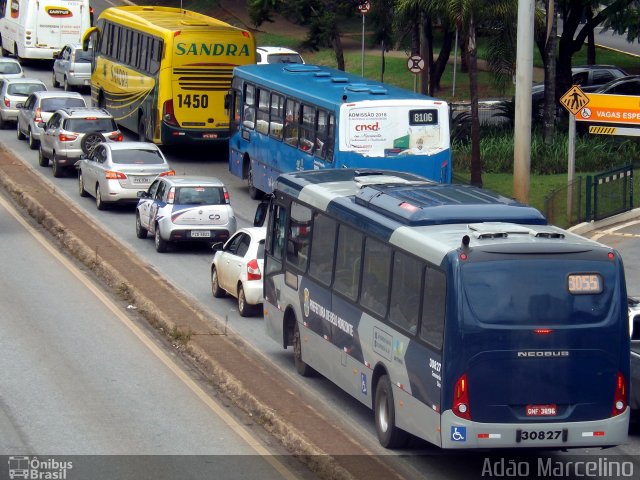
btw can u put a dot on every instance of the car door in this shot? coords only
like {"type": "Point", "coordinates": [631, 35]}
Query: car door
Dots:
{"type": "Point", "coordinates": [144, 206]}
{"type": "Point", "coordinates": [60, 64]}
{"type": "Point", "coordinates": [24, 113]}
{"type": "Point", "coordinates": [230, 261]}
{"type": "Point", "coordinates": [92, 168]}
{"type": "Point", "coordinates": [47, 140]}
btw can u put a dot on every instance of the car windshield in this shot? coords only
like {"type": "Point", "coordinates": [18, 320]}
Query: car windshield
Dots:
{"type": "Point", "coordinates": [82, 57]}
{"type": "Point", "coordinates": [53, 104]}
{"type": "Point", "coordinates": [137, 157]}
{"type": "Point", "coordinates": [24, 89]}
{"type": "Point", "coordinates": [200, 196]}
{"type": "Point", "coordinates": [9, 67]}
{"type": "Point", "coordinates": [284, 58]}
{"type": "Point", "coordinates": [92, 124]}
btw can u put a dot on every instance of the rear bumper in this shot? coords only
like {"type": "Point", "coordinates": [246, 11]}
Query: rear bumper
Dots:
{"type": "Point", "coordinates": [180, 136]}
{"type": "Point", "coordinates": [253, 292]}
{"type": "Point", "coordinates": [459, 433]}
{"type": "Point", "coordinates": [189, 235]}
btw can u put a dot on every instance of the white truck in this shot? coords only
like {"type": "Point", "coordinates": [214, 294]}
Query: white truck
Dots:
{"type": "Point", "coordinates": [36, 29]}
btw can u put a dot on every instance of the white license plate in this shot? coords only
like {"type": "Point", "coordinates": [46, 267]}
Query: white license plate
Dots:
{"type": "Point", "coordinates": [541, 410]}
{"type": "Point", "coordinates": [198, 233]}
{"type": "Point", "coordinates": [209, 135]}
{"type": "Point", "coordinates": [141, 180]}
{"type": "Point", "coordinates": [541, 435]}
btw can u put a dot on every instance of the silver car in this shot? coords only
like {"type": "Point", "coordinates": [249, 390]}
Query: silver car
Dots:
{"type": "Point", "coordinates": [237, 268]}
{"type": "Point", "coordinates": [39, 107]}
{"type": "Point", "coordinates": [70, 132]}
{"type": "Point", "coordinates": [179, 209]}
{"type": "Point", "coordinates": [10, 68]}
{"type": "Point", "coordinates": [13, 91]}
{"type": "Point", "coordinates": [114, 172]}
{"type": "Point", "coordinates": [72, 67]}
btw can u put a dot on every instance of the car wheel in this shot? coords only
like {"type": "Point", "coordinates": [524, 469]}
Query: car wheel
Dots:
{"type": "Point", "coordinates": [161, 244]}
{"type": "Point", "coordinates": [58, 171]}
{"type": "Point", "coordinates": [301, 367]}
{"type": "Point", "coordinates": [54, 82]}
{"type": "Point", "coordinates": [389, 435]}
{"type": "Point", "coordinates": [19, 134]}
{"type": "Point", "coordinates": [244, 308]}
{"type": "Point", "coordinates": [81, 189]}
{"type": "Point", "coordinates": [33, 143]}
{"type": "Point", "coordinates": [141, 232]}
{"type": "Point", "coordinates": [3, 123]}
{"type": "Point", "coordinates": [100, 205]}
{"type": "Point", "coordinates": [254, 192]}
{"type": "Point", "coordinates": [91, 141]}
{"type": "Point", "coordinates": [42, 160]}
{"type": "Point", "coordinates": [65, 85]}
{"type": "Point", "coordinates": [216, 291]}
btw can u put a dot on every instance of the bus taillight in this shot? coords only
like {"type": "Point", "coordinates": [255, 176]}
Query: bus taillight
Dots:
{"type": "Point", "coordinates": [253, 270]}
{"type": "Point", "coordinates": [167, 113]}
{"type": "Point", "coordinates": [461, 398]}
{"type": "Point", "coordinates": [620, 397]}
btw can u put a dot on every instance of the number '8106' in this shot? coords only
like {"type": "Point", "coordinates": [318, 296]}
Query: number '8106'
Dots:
{"type": "Point", "coordinates": [193, 101]}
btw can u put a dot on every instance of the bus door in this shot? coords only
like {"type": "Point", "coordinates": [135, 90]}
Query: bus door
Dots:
{"type": "Point", "coordinates": [59, 23]}
{"type": "Point", "coordinates": [541, 338]}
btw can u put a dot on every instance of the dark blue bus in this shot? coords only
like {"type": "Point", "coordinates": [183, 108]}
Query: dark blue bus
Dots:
{"type": "Point", "coordinates": [457, 315]}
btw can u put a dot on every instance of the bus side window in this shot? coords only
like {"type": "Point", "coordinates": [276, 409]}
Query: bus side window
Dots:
{"type": "Point", "coordinates": [299, 235]}
{"type": "Point", "coordinates": [262, 121]}
{"type": "Point", "coordinates": [249, 111]}
{"type": "Point", "coordinates": [433, 307]}
{"type": "Point", "coordinates": [405, 292]}
{"type": "Point", "coordinates": [276, 119]}
{"type": "Point", "coordinates": [348, 253]}
{"type": "Point", "coordinates": [291, 122]}
{"type": "Point", "coordinates": [308, 129]}
{"type": "Point", "coordinates": [375, 276]}
{"type": "Point", "coordinates": [323, 244]}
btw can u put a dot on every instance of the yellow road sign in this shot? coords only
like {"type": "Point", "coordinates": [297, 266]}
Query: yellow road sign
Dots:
{"type": "Point", "coordinates": [620, 109]}
{"type": "Point", "coordinates": [574, 100]}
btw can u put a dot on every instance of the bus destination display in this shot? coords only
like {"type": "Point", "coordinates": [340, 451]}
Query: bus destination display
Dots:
{"type": "Point", "coordinates": [423, 117]}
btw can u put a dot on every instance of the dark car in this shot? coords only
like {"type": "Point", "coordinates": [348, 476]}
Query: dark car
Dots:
{"type": "Point", "coordinates": [629, 85]}
{"type": "Point", "coordinates": [589, 77]}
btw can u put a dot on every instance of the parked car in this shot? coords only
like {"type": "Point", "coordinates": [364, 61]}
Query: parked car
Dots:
{"type": "Point", "coordinates": [629, 85]}
{"type": "Point", "coordinates": [237, 268]}
{"type": "Point", "coordinates": [277, 55]}
{"type": "Point", "coordinates": [70, 132]}
{"type": "Point", "coordinates": [13, 91]}
{"type": "Point", "coordinates": [37, 108]}
{"type": "Point", "coordinates": [114, 172]}
{"type": "Point", "coordinates": [589, 77]}
{"type": "Point", "coordinates": [189, 208]}
{"type": "Point", "coordinates": [10, 68]}
{"type": "Point", "coordinates": [72, 67]}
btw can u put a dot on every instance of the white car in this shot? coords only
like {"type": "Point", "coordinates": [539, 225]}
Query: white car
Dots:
{"type": "Point", "coordinates": [277, 55]}
{"type": "Point", "coordinates": [237, 268]}
{"type": "Point", "coordinates": [10, 68]}
{"type": "Point", "coordinates": [185, 209]}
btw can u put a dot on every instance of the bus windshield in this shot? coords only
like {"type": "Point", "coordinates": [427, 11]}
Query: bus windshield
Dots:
{"type": "Point", "coordinates": [538, 292]}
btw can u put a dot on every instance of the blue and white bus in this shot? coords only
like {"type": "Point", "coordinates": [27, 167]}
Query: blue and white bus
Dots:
{"type": "Point", "coordinates": [292, 117]}
{"type": "Point", "coordinates": [457, 315]}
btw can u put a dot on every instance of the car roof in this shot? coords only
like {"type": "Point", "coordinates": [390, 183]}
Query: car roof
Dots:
{"type": "Point", "coordinates": [257, 232]}
{"type": "Point", "coordinates": [23, 80]}
{"type": "Point", "coordinates": [276, 50]}
{"type": "Point", "coordinates": [9, 60]}
{"type": "Point", "coordinates": [597, 67]}
{"type": "Point", "coordinates": [57, 94]}
{"type": "Point", "coordinates": [616, 81]}
{"type": "Point", "coordinates": [84, 111]}
{"type": "Point", "coordinates": [193, 180]}
{"type": "Point", "coordinates": [131, 145]}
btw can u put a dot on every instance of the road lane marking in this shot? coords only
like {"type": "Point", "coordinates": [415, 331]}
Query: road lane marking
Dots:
{"type": "Point", "coordinates": [612, 231]}
{"type": "Point", "coordinates": [157, 351]}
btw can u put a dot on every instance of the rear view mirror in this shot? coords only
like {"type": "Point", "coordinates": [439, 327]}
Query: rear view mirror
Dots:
{"type": "Point", "coordinates": [217, 246]}
{"type": "Point", "coordinates": [143, 194]}
{"type": "Point", "coordinates": [261, 214]}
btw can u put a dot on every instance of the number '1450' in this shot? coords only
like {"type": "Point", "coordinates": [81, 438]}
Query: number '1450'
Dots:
{"type": "Point", "coordinates": [193, 101]}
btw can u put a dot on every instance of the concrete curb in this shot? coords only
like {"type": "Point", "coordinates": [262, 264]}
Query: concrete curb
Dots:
{"type": "Point", "coordinates": [588, 227]}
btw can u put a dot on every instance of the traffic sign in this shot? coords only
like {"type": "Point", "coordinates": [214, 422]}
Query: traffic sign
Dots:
{"type": "Point", "coordinates": [415, 64]}
{"type": "Point", "coordinates": [364, 6]}
{"type": "Point", "coordinates": [574, 100]}
{"type": "Point", "coordinates": [619, 109]}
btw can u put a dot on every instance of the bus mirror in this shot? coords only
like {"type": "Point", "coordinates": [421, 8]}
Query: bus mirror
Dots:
{"type": "Point", "coordinates": [227, 101]}
{"type": "Point", "coordinates": [86, 37]}
{"type": "Point", "coordinates": [261, 214]}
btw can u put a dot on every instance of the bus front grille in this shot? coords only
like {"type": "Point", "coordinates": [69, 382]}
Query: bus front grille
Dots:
{"type": "Point", "coordinates": [203, 79]}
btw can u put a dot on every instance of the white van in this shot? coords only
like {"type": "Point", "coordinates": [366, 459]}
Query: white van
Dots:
{"type": "Point", "coordinates": [38, 29]}
{"type": "Point", "coordinates": [277, 55]}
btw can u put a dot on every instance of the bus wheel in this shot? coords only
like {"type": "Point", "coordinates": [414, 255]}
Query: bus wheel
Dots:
{"type": "Point", "coordinates": [301, 367]}
{"type": "Point", "coordinates": [254, 192]}
{"type": "Point", "coordinates": [4, 51]}
{"type": "Point", "coordinates": [142, 135]}
{"type": "Point", "coordinates": [389, 435]}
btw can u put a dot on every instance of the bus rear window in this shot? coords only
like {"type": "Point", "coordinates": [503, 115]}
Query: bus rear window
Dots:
{"type": "Point", "coordinates": [538, 292]}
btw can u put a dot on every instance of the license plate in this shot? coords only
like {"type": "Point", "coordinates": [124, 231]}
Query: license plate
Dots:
{"type": "Point", "coordinates": [199, 233]}
{"type": "Point", "coordinates": [141, 180]}
{"type": "Point", "coordinates": [209, 135]}
{"type": "Point", "coordinates": [541, 411]}
{"type": "Point", "coordinates": [541, 435]}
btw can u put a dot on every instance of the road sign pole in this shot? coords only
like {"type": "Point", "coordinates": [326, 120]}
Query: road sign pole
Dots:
{"type": "Point", "coordinates": [571, 166]}
{"type": "Point", "coordinates": [363, 44]}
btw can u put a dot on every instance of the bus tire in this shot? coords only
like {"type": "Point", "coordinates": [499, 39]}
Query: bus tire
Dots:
{"type": "Point", "coordinates": [142, 134]}
{"type": "Point", "coordinates": [301, 367]}
{"type": "Point", "coordinates": [4, 51]}
{"type": "Point", "coordinates": [254, 192]}
{"type": "Point", "coordinates": [389, 435]}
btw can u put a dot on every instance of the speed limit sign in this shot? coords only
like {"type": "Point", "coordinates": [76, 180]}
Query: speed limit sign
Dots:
{"type": "Point", "coordinates": [364, 6]}
{"type": "Point", "coordinates": [415, 64]}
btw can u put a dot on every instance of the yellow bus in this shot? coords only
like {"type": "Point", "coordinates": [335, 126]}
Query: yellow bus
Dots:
{"type": "Point", "coordinates": [163, 72]}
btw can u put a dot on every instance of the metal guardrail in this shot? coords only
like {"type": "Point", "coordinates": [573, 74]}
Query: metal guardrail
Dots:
{"type": "Point", "coordinates": [609, 193]}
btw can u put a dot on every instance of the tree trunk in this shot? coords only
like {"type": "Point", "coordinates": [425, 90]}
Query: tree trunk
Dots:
{"type": "Point", "coordinates": [591, 41]}
{"type": "Point", "coordinates": [464, 42]}
{"type": "Point", "coordinates": [443, 58]}
{"type": "Point", "coordinates": [338, 50]}
{"type": "Point", "coordinates": [426, 52]}
{"type": "Point", "coordinates": [549, 115]}
{"type": "Point", "coordinates": [415, 38]}
{"type": "Point", "coordinates": [472, 62]}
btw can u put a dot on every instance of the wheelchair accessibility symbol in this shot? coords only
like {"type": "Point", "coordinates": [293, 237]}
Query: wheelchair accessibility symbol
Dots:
{"type": "Point", "coordinates": [458, 434]}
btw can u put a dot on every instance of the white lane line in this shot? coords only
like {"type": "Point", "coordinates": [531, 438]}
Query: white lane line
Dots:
{"type": "Point", "coordinates": [160, 354]}
{"type": "Point", "coordinates": [613, 230]}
